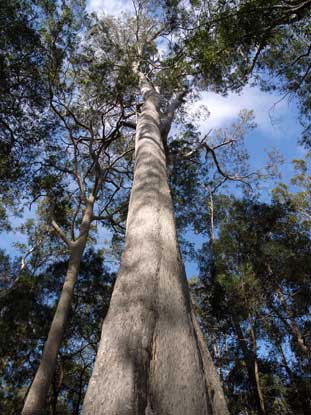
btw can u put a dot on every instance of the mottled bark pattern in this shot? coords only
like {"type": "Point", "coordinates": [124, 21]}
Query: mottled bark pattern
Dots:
{"type": "Point", "coordinates": [149, 361]}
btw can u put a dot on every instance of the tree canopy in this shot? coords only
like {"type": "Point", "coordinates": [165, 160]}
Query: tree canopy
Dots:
{"type": "Point", "coordinates": [81, 94]}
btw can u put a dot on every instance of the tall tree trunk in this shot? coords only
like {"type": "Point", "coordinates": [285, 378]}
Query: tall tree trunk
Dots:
{"type": "Point", "coordinates": [38, 392]}
{"type": "Point", "coordinates": [149, 361]}
{"type": "Point", "coordinates": [251, 365]}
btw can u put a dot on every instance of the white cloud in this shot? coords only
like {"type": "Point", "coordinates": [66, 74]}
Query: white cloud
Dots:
{"type": "Point", "coordinates": [271, 117]}
{"type": "Point", "coordinates": [109, 7]}
{"type": "Point", "coordinates": [277, 121]}
{"type": "Point", "coordinates": [273, 120]}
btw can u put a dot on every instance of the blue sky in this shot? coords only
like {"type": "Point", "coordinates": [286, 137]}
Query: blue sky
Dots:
{"type": "Point", "coordinates": [112, 7]}
{"type": "Point", "coordinates": [277, 125]}
{"type": "Point", "coordinates": [277, 122]}
{"type": "Point", "coordinates": [277, 128]}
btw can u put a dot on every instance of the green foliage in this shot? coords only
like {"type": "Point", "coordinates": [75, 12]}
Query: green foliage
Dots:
{"type": "Point", "coordinates": [256, 273]}
{"type": "Point", "coordinates": [67, 90]}
{"type": "Point", "coordinates": [288, 61]}
{"type": "Point", "coordinates": [26, 313]}
{"type": "Point", "coordinates": [231, 35]}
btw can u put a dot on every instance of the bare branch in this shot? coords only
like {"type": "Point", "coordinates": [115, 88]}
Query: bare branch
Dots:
{"type": "Point", "coordinates": [220, 170]}
{"type": "Point", "coordinates": [304, 55]}
{"type": "Point", "coordinates": [119, 158]}
{"type": "Point", "coordinates": [167, 118]}
{"type": "Point", "coordinates": [9, 129]}
{"type": "Point", "coordinates": [129, 124]}
{"type": "Point", "coordinates": [61, 233]}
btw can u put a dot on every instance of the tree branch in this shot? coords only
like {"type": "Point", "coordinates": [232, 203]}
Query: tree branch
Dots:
{"type": "Point", "coordinates": [61, 233]}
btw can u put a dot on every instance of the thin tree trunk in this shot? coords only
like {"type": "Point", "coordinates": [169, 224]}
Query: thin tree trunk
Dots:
{"type": "Point", "coordinates": [293, 326]}
{"type": "Point", "coordinates": [251, 365]}
{"type": "Point", "coordinates": [57, 384]}
{"type": "Point", "coordinates": [217, 399]}
{"type": "Point", "coordinates": [77, 405]}
{"type": "Point", "coordinates": [38, 392]}
{"type": "Point", "coordinates": [256, 372]}
{"type": "Point", "coordinates": [285, 364]}
{"type": "Point", "coordinates": [149, 360]}
{"type": "Point", "coordinates": [293, 329]}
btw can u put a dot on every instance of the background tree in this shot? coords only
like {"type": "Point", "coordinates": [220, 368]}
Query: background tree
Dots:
{"type": "Point", "coordinates": [26, 313]}
{"type": "Point", "coordinates": [251, 300]}
{"type": "Point", "coordinates": [143, 331]}
{"type": "Point", "coordinates": [201, 48]}
{"type": "Point", "coordinates": [83, 182]}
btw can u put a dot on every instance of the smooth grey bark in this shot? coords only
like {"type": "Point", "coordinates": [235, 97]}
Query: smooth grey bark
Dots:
{"type": "Point", "coordinates": [38, 392]}
{"type": "Point", "coordinates": [150, 359]}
